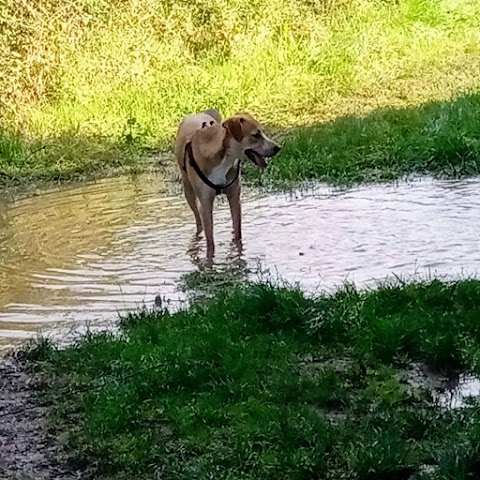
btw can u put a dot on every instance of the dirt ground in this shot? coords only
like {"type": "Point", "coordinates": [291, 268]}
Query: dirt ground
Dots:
{"type": "Point", "coordinates": [27, 451]}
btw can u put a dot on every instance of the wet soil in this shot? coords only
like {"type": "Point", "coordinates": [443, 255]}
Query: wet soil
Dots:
{"type": "Point", "coordinates": [27, 450]}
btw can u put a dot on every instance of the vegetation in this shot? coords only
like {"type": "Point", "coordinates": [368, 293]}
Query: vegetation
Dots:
{"type": "Point", "coordinates": [439, 138]}
{"type": "Point", "coordinates": [90, 84]}
{"type": "Point", "coordinates": [262, 382]}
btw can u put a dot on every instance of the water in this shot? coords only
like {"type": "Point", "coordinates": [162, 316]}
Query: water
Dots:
{"type": "Point", "coordinates": [79, 255]}
{"type": "Point", "coordinates": [457, 394]}
{"type": "Point", "coordinates": [450, 391]}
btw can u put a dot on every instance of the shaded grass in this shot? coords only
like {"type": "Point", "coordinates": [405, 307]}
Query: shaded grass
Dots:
{"type": "Point", "coordinates": [60, 159]}
{"type": "Point", "coordinates": [122, 74]}
{"type": "Point", "coordinates": [262, 382]}
{"type": "Point", "coordinates": [439, 138]}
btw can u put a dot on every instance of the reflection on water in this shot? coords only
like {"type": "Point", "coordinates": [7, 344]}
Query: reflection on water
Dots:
{"type": "Point", "coordinates": [450, 391]}
{"type": "Point", "coordinates": [83, 254]}
{"type": "Point", "coordinates": [458, 391]}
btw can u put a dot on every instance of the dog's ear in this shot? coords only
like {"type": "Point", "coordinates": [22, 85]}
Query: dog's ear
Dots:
{"type": "Point", "coordinates": [234, 126]}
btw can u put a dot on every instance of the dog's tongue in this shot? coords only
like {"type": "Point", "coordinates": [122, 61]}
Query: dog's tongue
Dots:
{"type": "Point", "coordinates": [257, 159]}
{"type": "Point", "coordinates": [261, 162]}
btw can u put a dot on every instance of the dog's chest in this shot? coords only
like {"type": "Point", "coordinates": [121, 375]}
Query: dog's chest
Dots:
{"type": "Point", "coordinates": [218, 175]}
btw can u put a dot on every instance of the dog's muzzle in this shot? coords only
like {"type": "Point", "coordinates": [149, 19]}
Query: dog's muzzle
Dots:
{"type": "Point", "coordinates": [258, 159]}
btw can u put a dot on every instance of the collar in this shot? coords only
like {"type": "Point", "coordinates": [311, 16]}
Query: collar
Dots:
{"type": "Point", "coordinates": [191, 160]}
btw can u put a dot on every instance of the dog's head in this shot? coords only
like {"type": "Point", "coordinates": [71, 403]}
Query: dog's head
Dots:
{"type": "Point", "coordinates": [252, 143]}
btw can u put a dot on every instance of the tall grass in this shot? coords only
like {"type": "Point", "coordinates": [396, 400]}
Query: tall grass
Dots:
{"type": "Point", "coordinates": [128, 70]}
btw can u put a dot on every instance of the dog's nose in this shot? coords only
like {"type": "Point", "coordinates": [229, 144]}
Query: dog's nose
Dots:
{"type": "Point", "coordinates": [276, 149]}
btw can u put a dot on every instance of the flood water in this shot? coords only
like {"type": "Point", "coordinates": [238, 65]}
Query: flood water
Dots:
{"type": "Point", "coordinates": [79, 255]}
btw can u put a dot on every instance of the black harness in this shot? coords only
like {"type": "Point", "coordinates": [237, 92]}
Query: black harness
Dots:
{"type": "Point", "coordinates": [191, 160]}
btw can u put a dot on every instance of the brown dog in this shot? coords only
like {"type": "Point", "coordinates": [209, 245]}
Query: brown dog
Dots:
{"type": "Point", "coordinates": [209, 153]}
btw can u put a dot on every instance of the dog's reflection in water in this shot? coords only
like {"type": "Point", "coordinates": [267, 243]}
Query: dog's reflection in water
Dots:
{"type": "Point", "coordinates": [234, 260]}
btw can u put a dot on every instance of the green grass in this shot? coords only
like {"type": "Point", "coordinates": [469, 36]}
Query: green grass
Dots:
{"type": "Point", "coordinates": [121, 74]}
{"type": "Point", "coordinates": [262, 382]}
{"type": "Point", "coordinates": [66, 158]}
{"type": "Point", "coordinates": [439, 138]}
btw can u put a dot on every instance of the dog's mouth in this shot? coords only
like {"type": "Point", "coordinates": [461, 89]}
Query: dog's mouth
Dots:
{"type": "Point", "coordinates": [256, 158]}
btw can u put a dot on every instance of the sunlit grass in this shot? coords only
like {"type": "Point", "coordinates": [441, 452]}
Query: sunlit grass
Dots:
{"type": "Point", "coordinates": [128, 71]}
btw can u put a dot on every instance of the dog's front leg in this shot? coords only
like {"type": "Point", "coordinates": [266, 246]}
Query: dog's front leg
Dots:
{"type": "Point", "coordinates": [205, 202]}
{"type": "Point", "coordinates": [233, 195]}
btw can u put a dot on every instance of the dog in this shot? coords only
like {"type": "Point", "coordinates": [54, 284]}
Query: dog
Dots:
{"type": "Point", "coordinates": [209, 153]}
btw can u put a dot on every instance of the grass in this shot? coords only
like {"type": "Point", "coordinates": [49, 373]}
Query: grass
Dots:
{"type": "Point", "coordinates": [120, 75]}
{"type": "Point", "coordinates": [59, 159]}
{"type": "Point", "coordinates": [440, 138]}
{"type": "Point", "coordinates": [262, 382]}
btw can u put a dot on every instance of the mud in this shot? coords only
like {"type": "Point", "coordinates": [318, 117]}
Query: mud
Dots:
{"type": "Point", "coordinates": [27, 450]}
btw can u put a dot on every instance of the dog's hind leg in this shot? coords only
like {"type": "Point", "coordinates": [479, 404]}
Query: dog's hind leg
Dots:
{"type": "Point", "coordinates": [206, 214]}
{"type": "Point", "coordinates": [191, 200]}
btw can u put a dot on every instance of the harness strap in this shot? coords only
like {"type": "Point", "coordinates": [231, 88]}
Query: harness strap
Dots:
{"type": "Point", "coordinates": [191, 160]}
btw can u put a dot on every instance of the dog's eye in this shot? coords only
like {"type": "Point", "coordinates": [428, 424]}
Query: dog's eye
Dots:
{"type": "Point", "coordinates": [257, 135]}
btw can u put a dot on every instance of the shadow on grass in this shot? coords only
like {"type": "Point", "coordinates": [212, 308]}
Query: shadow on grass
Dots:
{"type": "Point", "coordinates": [438, 138]}
{"type": "Point", "coordinates": [67, 157]}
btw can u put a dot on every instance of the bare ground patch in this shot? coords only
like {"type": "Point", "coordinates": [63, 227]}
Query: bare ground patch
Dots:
{"type": "Point", "coordinates": [27, 451]}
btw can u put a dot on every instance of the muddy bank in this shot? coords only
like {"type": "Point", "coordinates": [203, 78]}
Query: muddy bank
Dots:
{"type": "Point", "coordinates": [27, 451]}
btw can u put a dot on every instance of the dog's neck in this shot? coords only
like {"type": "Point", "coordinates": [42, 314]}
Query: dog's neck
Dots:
{"type": "Point", "coordinates": [230, 159]}
{"type": "Point", "coordinates": [233, 151]}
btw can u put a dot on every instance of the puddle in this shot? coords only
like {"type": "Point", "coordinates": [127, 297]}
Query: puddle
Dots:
{"type": "Point", "coordinates": [80, 255]}
{"type": "Point", "coordinates": [467, 388]}
{"type": "Point", "coordinates": [450, 392]}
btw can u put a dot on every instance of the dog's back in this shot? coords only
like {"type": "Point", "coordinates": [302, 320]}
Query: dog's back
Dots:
{"type": "Point", "coordinates": [189, 126]}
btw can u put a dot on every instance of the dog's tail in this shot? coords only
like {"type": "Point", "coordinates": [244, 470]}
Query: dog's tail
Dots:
{"type": "Point", "coordinates": [215, 114]}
